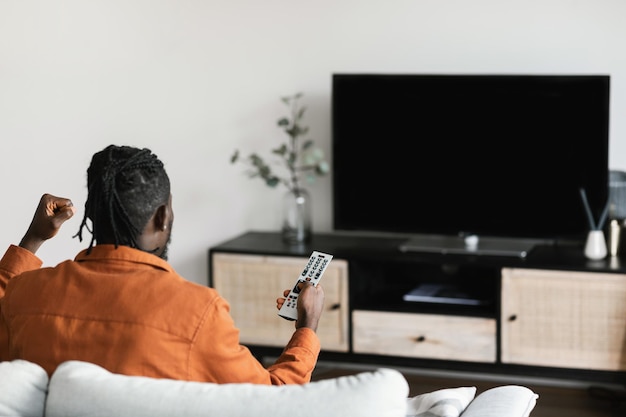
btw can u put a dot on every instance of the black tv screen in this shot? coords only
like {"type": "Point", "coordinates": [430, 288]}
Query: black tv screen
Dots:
{"type": "Point", "coordinates": [490, 155]}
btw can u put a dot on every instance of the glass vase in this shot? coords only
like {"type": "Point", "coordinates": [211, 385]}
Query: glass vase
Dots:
{"type": "Point", "coordinates": [296, 216]}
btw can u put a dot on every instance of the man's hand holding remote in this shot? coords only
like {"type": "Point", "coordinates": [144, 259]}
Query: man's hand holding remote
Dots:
{"type": "Point", "coordinates": [310, 305]}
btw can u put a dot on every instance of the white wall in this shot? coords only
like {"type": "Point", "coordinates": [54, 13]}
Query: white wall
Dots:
{"type": "Point", "coordinates": [195, 79]}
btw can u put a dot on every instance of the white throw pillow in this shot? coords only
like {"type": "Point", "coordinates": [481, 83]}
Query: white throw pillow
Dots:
{"type": "Point", "coordinates": [449, 402]}
{"type": "Point", "coordinates": [23, 388]}
{"type": "Point", "coordinates": [503, 401]}
{"type": "Point", "coordinates": [80, 389]}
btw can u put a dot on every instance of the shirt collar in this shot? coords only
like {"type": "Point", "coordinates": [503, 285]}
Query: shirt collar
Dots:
{"type": "Point", "coordinates": [122, 253]}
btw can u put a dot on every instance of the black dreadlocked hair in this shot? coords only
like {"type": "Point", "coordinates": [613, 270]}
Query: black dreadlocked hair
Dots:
{"type": "Point", "coordinates": [125, 187]}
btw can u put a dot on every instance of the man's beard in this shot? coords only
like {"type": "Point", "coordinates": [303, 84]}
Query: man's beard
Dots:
{"type": "Point", "coordinates": [164, 253]}
{"type": "Point", "coordinates": [165, 250]}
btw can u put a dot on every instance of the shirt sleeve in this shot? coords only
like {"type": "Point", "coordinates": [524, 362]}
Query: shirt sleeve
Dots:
{"type": "Point", "coordinates": [218, 355]}
{"type": "Point", "coordinates": [15, 261]}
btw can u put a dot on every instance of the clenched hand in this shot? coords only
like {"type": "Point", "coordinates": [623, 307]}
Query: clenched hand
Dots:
{"type": "Point", "coordinates": [50, 214]}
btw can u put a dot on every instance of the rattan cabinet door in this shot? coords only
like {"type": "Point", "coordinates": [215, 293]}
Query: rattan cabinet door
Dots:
{"type": "Point", "coordinates": [564, 319]}
{"type": "Point", "coordinates": [251, 284]}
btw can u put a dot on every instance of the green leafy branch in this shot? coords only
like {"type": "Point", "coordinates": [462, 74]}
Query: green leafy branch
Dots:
{"type": "Point", "coordinates": [297, 157]}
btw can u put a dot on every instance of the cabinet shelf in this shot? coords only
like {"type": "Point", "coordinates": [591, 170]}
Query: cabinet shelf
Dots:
{"type": "Point", "coordinates": [383, 286]}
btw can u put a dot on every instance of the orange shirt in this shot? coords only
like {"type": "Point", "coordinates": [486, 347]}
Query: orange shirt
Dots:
{"type": "Point", "coordinates": [131, 313]}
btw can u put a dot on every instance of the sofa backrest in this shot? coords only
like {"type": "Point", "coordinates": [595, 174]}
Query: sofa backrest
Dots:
{"type": "Point", "coordinates": [23, 387]}
{"type": "Point", "coordinates": [80, 388]}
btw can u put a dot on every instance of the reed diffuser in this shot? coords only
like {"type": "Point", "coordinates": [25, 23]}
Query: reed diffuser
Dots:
{"type": "Point", "coordinates": [595, 245]}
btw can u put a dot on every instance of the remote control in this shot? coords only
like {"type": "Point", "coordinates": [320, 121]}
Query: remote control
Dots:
{"type": "Point", "coordinates": [312, 272]}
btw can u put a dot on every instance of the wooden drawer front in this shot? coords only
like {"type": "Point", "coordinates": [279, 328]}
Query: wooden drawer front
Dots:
{"type": "Point", "coordinates": [251, 284]}
{"type": "Point", "coordinates": [424, 336]}
{"type": "Point", "coordinates": [564, 319]}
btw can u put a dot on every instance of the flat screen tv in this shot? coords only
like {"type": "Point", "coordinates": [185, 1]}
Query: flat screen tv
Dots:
{"type": "Point", "coordinates": [446, 156]}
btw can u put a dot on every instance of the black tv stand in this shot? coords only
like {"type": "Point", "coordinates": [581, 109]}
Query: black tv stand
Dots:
{"type": "Point", "coordinates": [470, 245]}
{"type": "Point", "coordinates": [552, 313]}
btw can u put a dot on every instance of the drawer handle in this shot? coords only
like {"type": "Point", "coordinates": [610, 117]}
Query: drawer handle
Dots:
{"type": "Point", "coordinates": [335, 306]}
{"type": "Point", "coordinates": [513, 317]}
{"type": "Point", "coordinates": [420, 339]}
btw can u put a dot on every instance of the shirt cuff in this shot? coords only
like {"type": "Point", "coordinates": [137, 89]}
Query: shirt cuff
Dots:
{"type": "Point", "coordinates": [17, 260]}
{"type": "Point", "coordinates": [306, 338]}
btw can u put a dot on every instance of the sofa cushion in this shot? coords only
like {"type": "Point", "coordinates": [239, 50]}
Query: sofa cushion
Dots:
{"type": "Point", "coordinates": [23, 387]}
{"type": "Point", "coordinates": [79, 389]}
{"type": "Point", "coordinates": [449, 402]}
{"type": "Point", "coordinates": [502, 401]}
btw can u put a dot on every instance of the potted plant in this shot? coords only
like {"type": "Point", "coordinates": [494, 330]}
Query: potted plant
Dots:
{"type": "Point", "coordinates": [294, 161]}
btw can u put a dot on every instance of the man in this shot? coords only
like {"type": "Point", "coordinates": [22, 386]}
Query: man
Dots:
{"type": "Point", "coordinates": [119, 303]}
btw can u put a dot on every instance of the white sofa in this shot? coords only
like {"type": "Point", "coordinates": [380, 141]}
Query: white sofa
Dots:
{"type": "Point", "coordinates": [84, 389]}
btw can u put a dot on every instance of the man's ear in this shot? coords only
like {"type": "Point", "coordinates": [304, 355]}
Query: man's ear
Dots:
{"type": "Point", "coordinates": [160, 218]}
{"type": "Point", "coordinates": [163, 216]}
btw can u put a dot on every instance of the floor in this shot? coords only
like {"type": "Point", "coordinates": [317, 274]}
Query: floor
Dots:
{"type": "Point", "coordinates": [555, 400]}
